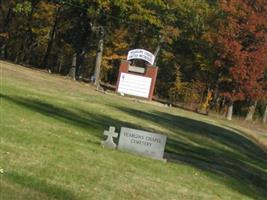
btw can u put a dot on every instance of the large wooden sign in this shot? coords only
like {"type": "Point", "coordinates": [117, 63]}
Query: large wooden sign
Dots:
{"type": "Point", "coordinates": [134, 85]}
{"type": "Point", "coordinates": [136, 81]}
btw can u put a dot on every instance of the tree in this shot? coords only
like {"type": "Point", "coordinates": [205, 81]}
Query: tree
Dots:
{"type": "Point", "coordinates": [241, 56]}
{"type": "Point", "coordinates": [6, 9]}
{"type": "Point", "coordinates": [190, 49]}
{"type": "Point", "coordinates": [51, 36]}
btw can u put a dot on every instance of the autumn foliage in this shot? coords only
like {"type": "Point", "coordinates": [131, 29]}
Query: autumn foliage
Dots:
{"type": "Point", "coordinates": [242, 49]}
{"type": "Point", "coordinates": [207, 48]}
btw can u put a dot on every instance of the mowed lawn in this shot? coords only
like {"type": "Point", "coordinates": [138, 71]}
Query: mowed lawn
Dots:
{"type": "Point", "coordinates": [51, 129]}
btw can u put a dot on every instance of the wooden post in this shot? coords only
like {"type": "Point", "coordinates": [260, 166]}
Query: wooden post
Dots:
{"type": "Point", "coordinates": [152, 72]}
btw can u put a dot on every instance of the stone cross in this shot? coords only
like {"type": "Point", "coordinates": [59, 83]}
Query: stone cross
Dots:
{"type": "Point", "coordinates": [109, 143]}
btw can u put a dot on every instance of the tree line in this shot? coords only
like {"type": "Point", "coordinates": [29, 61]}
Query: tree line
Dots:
{"type": "Point", "coordinates": [211, 54]}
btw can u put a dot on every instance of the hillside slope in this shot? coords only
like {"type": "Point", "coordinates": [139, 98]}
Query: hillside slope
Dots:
{"type": "Point", "coordinates": [51, 129]}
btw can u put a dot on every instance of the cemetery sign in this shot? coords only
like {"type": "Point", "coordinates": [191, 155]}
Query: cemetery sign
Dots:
{"type": "Point", "coordinates": [134, 85]}
{"type": "Point", "coordinates": [142, 142]}
{"type": "Point", "coordinates": [141, 54]}
{"type": "Point", "coordinates": [137, 79]}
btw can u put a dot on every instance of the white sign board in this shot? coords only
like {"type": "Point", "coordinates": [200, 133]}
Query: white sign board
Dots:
{"type": "Point", "coordinates": [142, 142]}
{"type": "Point", "coordinates": [141, 54]}
{"type": "Point", "coordinates": [134, 85]}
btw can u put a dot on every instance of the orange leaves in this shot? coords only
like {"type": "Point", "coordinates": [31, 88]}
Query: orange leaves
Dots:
{"type": "Point", "coordinates": [244, 50]}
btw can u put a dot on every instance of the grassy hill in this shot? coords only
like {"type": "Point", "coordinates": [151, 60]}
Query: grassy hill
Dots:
{"type": "Point", "coordinates": [51, 129]}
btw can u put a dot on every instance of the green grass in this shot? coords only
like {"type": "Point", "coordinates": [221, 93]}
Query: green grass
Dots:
{"type": "Point", "coordinates": [51, 129]}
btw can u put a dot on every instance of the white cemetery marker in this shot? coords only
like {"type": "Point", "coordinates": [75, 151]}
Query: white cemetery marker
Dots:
{"type": "Point", "coordinates": [109, 143]}
{"type": "Point", "coordinates": [142, 142]}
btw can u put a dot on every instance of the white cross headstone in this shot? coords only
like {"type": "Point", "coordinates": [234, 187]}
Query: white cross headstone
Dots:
{"type": "Point", "coordinates": [109, 143]}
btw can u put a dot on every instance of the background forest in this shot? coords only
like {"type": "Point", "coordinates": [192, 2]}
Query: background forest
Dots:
{"type": "Point", "coordinates": [211, 54]}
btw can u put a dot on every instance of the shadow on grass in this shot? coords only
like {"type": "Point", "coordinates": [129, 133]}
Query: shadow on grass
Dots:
{"type": "Point", "coordinates": [235, 158]}
{"type": "Point", "coordinates": [239, 162]}
{"type": "Point", "coordinates": [41, 186]}
{"type": "Point", "coordinates": [88, 122]}
{"type": "Point", "coordinates": [80, 118]}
